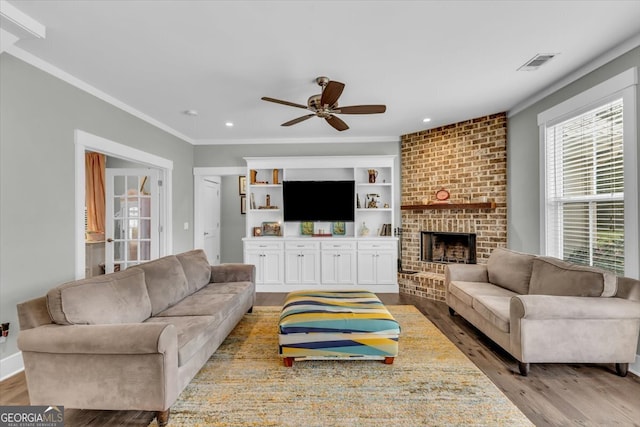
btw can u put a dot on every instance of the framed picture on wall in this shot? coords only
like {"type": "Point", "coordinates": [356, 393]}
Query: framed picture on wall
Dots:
{"type": "Point", "coordinates": [243, 204]}
{"type": "Point", "coordinates": [242, 185]}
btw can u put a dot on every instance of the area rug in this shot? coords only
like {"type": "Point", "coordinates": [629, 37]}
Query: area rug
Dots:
{"type": "Point", "coordinates": [430, 383]}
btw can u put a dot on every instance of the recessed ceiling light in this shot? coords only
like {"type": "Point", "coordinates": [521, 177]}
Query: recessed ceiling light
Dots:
{"type": "Point", "coordinates": [229, 124]}
{"type": "Point", "coordinates": [192, 113]}
{"type": "Point", "coordinates": [426, 120]}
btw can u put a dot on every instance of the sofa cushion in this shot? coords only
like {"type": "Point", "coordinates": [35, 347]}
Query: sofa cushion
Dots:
{"type": "Point", "coordinates": [166, 282]}
{"type": "Point", "coordinates": [494, 309]}
{"type": "Point", "coordinates": [196, 268]}
{"type": "Point", "coordinates": [111, 298]}
{"type": "Point", "coordinates": [467, 291]}
{"type": "Point", "coordinates": [510, 270]}
{"type": "Point", "coordinates": [193, 333]}
{"type": "Point", "coordinates": [552, 276]}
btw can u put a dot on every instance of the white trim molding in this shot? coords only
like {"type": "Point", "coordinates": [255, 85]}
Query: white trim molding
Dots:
{"type": "Point", "coordinates": [85, 141]}
{"type": "Point", "coordinates": [327, 140]}
{"type": "Point", "coordinates": [11, 365]}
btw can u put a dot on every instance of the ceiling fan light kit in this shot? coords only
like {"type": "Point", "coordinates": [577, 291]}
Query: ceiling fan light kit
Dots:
{"type": "Point", "coordinates": [325, 105]}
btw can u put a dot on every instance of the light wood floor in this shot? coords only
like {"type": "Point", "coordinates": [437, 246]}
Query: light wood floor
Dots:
{"type": "Point", "coordinates": [552, 394]}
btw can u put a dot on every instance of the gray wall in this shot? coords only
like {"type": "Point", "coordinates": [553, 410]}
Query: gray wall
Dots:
{"type": "Point", "coordinates": [523, 167]}
{"type": "Point", "coordinates": [233, 224]}
{"type": "Point", "coordinates": [39, 114]}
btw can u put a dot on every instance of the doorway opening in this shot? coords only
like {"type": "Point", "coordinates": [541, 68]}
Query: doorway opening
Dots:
{"type": "Point", "coordinates": [86, 142]}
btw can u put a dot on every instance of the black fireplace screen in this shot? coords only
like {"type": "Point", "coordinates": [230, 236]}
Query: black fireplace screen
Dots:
{"type": "Point", "coordinates": [447, 248]}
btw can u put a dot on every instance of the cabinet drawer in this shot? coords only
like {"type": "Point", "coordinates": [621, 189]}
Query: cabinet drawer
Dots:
{"type": "Point", "coordinates": [338, 246]}
{"type": "Point", "coordinates": [263, 245]}
{"type": "Point", "coordinates": [377, 245]}
{"type": "Point", "coordinates": [297, 245]}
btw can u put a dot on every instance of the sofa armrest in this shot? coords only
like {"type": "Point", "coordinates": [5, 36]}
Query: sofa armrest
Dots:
{"type": "Point", "coordinates": [465, 273]}
{"type": "Point", "coordinates": [224, 273]}
{"type": "Point", "coordinates": [566, 307]}
{"type": "Point", "coordinates": [126, 338]}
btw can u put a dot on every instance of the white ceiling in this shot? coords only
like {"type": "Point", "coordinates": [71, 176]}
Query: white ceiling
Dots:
{"type": "Point", "coordinates": [447, 60]}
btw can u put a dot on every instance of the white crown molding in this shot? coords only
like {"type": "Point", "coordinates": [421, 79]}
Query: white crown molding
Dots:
{"type": "Point", "coordinates": [7, 39]}
{"type": "Point", "coordinates": [80, 84]}
{"type": "Point", "coordinates": [326, 140]}
{"type": "Point", "coordinates": [610, 55]}
{"type": "Point", "coordinates": [19, 23]}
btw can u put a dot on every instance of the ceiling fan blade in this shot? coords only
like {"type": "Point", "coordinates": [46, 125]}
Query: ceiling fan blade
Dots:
{"type": "Point", "coordinates": [336, 122]}
{"type": "Point", "coordinates": [298, 120]}
{"type": "Point", "coordinates": [279, 101]}
{"type": "Point", "coordinates": [361, 109]}
{"type": "Point", "coordinates": [331, 93]}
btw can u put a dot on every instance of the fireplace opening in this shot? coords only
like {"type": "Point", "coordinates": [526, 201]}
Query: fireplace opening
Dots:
{"type": "Point", "coordinates": [448, 248]}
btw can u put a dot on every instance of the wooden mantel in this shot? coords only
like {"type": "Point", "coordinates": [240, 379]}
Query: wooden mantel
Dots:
{"type": "Point", "coordinates": [479, 205]}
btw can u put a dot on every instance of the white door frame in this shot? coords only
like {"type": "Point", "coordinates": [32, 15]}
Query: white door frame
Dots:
{"type": "Point", "coordinates": [198, 175]}
{"type": "Point", "coordinates": [84, 142]}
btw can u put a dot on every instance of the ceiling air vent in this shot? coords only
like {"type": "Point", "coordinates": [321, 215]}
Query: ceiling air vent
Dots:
{"type": "Point", "coordinates": [537, 61]}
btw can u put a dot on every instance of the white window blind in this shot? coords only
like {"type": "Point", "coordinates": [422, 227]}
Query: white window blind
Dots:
{"type": "Point", "coordinates": [585, 188]}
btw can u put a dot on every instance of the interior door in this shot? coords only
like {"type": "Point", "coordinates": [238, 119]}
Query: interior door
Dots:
{"type": "Point", "coordinates": [131, 222]}
{"type": "Point", "coordinates": [210, 217]}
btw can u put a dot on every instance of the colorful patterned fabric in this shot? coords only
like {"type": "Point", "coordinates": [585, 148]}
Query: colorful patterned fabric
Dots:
{"type": "Point", "coordinates": [337, 324]}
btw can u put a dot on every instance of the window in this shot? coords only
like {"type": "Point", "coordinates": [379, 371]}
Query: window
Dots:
{"type": "Point", "coordinates": [590, 185]}
{"type": "Point", "coordinates": [585, 188]}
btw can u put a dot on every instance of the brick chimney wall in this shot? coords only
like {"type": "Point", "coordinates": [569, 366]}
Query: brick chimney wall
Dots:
{"type": "Point", "coordinates": [469, 159]}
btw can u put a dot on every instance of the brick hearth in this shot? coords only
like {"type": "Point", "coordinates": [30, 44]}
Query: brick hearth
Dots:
{"type": "Point", "coordinates": [469, 159]}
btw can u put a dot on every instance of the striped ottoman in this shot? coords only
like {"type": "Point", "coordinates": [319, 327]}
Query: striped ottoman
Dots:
{"type": "Point", "coordinates": [341, 324]}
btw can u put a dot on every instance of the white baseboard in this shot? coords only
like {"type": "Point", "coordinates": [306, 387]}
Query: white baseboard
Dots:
{"type": "Point", "coordinates": [11, 365]}
{"type": "Point", "coordinates": [635, 367]}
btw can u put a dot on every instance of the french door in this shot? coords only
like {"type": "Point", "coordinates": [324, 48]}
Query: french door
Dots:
{"type": "Point", "coordinates": [131, 222]}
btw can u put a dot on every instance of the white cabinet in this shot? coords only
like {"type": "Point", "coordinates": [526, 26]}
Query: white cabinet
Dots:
{"type": "Point", "coordinates": [339, 263]}
{"type": "Point", "coordinates": [302, 262]}
{"type": "Point", "coordinates": [294, 255]}
{"type": "Point", "coordinates": [268, 257]}
{"type": "Point", "coordinates": [377, 262]}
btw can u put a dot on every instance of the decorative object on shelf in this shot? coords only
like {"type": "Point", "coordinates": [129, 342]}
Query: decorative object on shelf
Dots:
{"type": "Point", "coordinates": [386, 205]}
{"type": "Point", "coordinates": [373, 174]}
{"type": "Point", "coordinates": [257, 231]}
{"type": "Point", "coordinates": [385, 230]}
{"type": "Point", "coordinates": [254, 176]}
{"type": "Point", "coordinates": [358, 206]}
{"type": "Point", "coordinates": [243, 204]}
{"type": "Point", "coordinates": [364, 230]}
{"type": "Point", "coordinates": [442, 196]}
{"type": "Point", "coordinates": [306, 228]}
{"type": "Point", "coordinates": [242, 185]}
{"type": "Point", "coordinates": [372, 200]}
{"type": "Point", "coordinates": [338, 228]}
{"type": "Point", "coordinates": [252, 201]}
{"type": "Point", "coordinates": [271, 228]}
{"type": "Point", "coordinates": [275, 176]}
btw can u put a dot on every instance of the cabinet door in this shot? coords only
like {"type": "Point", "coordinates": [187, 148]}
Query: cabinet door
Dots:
{"type": "Point", "coordinates": [346, 267]}
{"type": "Point", "coordinates": [272, 267]}
{"type": "Point", "coordinates": [386, 268]}
{"type": "Point", "coordinates": [309, 267]}
{"type": "Point", "coordinates": [292, 266]}
{"type": "Point", "coordinates": [329, 273]}
{"type": "Point", "coordinates": [367, 263]}
{"type": "Point", "coordinates": [255, 257]}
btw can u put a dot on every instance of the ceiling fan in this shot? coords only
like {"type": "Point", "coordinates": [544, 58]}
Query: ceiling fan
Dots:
{"type": "Point", "coordinates": [325, 105]}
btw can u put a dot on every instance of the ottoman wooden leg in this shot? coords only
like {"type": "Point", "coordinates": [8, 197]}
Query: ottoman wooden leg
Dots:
{"type": "Point", "coordinates": [288, 362]}
{"type": "Point", "coordinates": [388, 360]}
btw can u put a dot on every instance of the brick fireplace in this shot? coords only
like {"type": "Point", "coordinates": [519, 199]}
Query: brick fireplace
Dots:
{"type": "Point", "coordinates": [469, 160]}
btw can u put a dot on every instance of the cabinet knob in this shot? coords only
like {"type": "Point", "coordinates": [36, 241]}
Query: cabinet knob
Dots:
{"type": "Point", "coordinates": [109, 240]}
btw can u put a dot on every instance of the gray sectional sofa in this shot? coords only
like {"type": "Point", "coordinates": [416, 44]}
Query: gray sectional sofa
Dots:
{"type": "Point", "coordinates": [545, 310]}
{"type": "Point", "coordinates": [132, 339]}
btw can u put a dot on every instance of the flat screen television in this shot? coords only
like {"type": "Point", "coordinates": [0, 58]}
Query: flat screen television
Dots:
{"type": "Point", "coordinates": [318, 200]}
